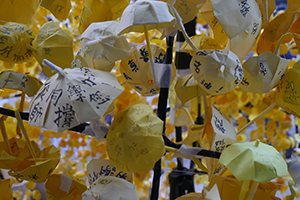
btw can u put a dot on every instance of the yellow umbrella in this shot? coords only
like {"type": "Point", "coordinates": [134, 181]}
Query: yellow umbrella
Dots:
{"type": "Point", "coordinates": [263, 72]}
{"type": "Point", "coordinates": [110, 187]}
{"type": "Point", "coordinates": [18, 81]}
{"type": "Point", "coordinates": [217, 72]}
{"type": "Point", "coordinates": [101, 10]}
{"type": "Point", "coordinates": [188, 9]}
{"type": "Point", "coordinates": [5, 189]}
{"type": "Point", "coordinates": [137, 71]}
{"type": "Point", "coordinates": [20, 11]}
{"type": "Point", "coordinates": [212, 194]}
{"type": "Point", "coordinates": [253, 161]}
{"type": "Point", "coordinates": [134, 140]}
{"type": "Point", "coordinates": [72, 96]}
{"type": "Point", "coordinates": [54, 44]}
{"type": "Point", "coordinates": [60, 186]}
{"type": "Point", "coordinates": [102, 47]}
{"type": "Point", "coordinates": [14, 41]}
{"type": "Point", "coordinates": [59, 8]}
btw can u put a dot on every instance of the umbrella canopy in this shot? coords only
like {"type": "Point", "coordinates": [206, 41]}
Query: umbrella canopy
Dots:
{"type": "Point", "coordinates": [59, 8]}
{"type": "Point", "coordinates": [71, 97]}
{"type": "Point", "coordinates": [287, 96]}
{"type": "Point", "coordinates": [213, 194]}
{"type": "Point", "coordinates": [137, 71]}
{"type": "Point", "coordinates": [54, 44]}
{"type": "Point", "coordinates": [14, 41]}
{"type": "Point", "coordinates": [20, 11]}
{"type": "Point", "coordinates": [101, 10]}
{"type": "Point", "coordinates": [153, 14]}
{"type": "Point", "coordinates": [134, 140]}
{"type": "Point", "coordinates": [254, 161]}
{"type": "Point", "coordinates": [217, 72]}
{"type": "Point", "coordinates": [60, 186]}
{"type": "Point", "coordinates": [263, 72]}
{"type": "Point", "coordinates": [18, 81]}
{"type": "Point", "coordinates": [101, 46]}
{"type": "Point", "coordinates": [111, 188]}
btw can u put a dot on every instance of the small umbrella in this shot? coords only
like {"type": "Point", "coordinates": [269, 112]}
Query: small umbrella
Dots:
{"type": "Point", "coordinates": [235, 16]}
{"type": "Point", "coordinates": [54, 44]}
{"type": "Point", "coordinates": [111, 188]}
{"type": "Point", "coordinates": [253, 161]}
{"type": "Point", "coordinates": [101, 46]}
{"type": "Point", "coordinates": [263, 72]}
{"type": "Point", "coordinates": [71, 97]}
{"type": "Point", "coordinates": [14, 41]}
{"type": "Point", "coordinates": [60, 186]}
{"type": "Point", "coordinates": [137, 71]}
{"type": "Point", "coordinates": [59, 8]}
{"type": "Point", "coordinates": [18, 81]}
{"type": "Point", "coordinates": [217, 72]}
{"type": "Point", "coordinates": [20, 11]}
{"type": "Point", "coordinates": [101, 10]}
{"type": "Point", "coordinates": [134, 140]}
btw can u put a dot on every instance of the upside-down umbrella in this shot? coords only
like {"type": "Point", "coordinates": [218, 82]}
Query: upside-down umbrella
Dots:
{"type": "Point", "coordinates": [102, 47]}
{"type": "Point", "coordinates": [216, 71]}
{"type": "Point", "coordinates": [59, 8]}
{"type": "Point", "coordinates": [18, 81]}
{"type": "Point", "coordinates": [60, 186]}
{"type": "Point", "coordinates": [71, 97]}
{"type": "Point", "coordinates": [137, 71]}
{"type": "Point", "coordinates": [111, 188]}
{"type": "Point", "coordinates": [263, 72]}
{"type": "Point", "coordinates": [101, 10]}
{"type": "Point", "coordinates": [20, 11]}
{"type": "Point", "coordinates": [54, 44]}
{"type": "Point", "coordinates": [253, 161]}
{"type": "Point", "coordinates": [134, 140]}
{"type": "Point", "coordinates": [14, 41]}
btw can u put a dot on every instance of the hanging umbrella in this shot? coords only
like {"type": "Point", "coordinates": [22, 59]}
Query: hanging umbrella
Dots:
{"type": "Point", "coordinates": [14, 41]}
{"type": "Point", "coordinates": [111, 188]}
{"type": "Point", "coordinates": [71, 97]}
{"type": "Point", "coordinates": [253, 161]}
{"type": "Point", "coordinates": [54, 44]}
{"type": "Point", "coordinates": [217, 72]}
{"type": "Point", "coordinates": [137, 71]}
{"type": "Point", "coordinates": [20, 11]}
{"type": "Point", "coordinates": [101, 10]}
{"type": "Point", "coordinates": [60, 186]}
{"type": "Point", "coordinates": [134, 140]}
{"type": "Point", "coordinates": [18, 81]}
{"type": "Point", "coordinates": [101, 46]}
{"type": "Point", "coordinates": [59, 8]}
{"type": "Point", "coordinates": [263, 72]}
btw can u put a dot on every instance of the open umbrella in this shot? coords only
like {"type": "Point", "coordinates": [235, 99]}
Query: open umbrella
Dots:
{"type": "Point", "coordinates": [253, 161]}
{"type": "Point", "coordinates": [54, 44]}
{"type": "Point", "coordinates": [137, 71]}
{"type": "Point", "coordinates": [134, 140]}
{"type": "Point", "coordinates": [111, 188]}
{"type": "Point", "coordinates": [59, 8]}
{"type": "Point", "coordinates": [18, 81]}
{"type": "Point", "coordinates": [101, 10]}
{"type": "Point", "coordinates": [101, 46]}
{"type": "Point", "coordinates": [217, 72]}
{"type": "Point", "coordinates": [14, 41]}
{"type": "Point", "coordinates": [263, 72]}
{"type": "Point", "coordinates": [20, 11]}
{"type": "Point", "coordinates": [60, 186]}
{"type": "Point", "coordinates": [71, 97]}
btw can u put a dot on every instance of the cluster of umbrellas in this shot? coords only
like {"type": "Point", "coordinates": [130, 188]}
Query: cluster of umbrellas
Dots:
{"type": "Point", "coordinates": [83, 89]}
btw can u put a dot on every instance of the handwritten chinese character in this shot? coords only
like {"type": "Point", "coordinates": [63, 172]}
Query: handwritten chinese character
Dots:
{"type": "Point", "coordinates": [67, 112]}
{"type": "Point", "coordinates": [36, 112]}
{"type": "Point", "coordinates": [58, 8]}
{"type": "Point", "coordinates": [138, 87]}
{"type": "Point", "coordinates": [84, 69]}
{"type": "Point", "coordinates": [144, 54]}
{"type": "Point", "coordinates": [5, 30]}
{"type": "Point", "coordinates": [238, 72]}
{"type": "Point", "coordinates": [220, 145]}
{"type": "Point", "coordinates": [28, 53]}
{"type": "Point", "coordinates": [24, 80]}
{"type": "Point", "coordinates": [47, 51]}
{"type": "Point", "coordinates": [133, 66]}
{"type": "Point", "coordinates": [89, 82]}
{"type": "Point", "coordinates": [77, 91]}
{"type": "Point", "coordinates": [245, 81]}
{"type": "Point", "coordinates": [214, 22]}
{"type": "Point", "coordinates": [33, 176]}
{"type": "Point", "coordinates": [254, 29]}
{"type": "Point", "coordinates": [3, 40]}
{"type": "Point", "coordinates": [219, 124]}
{"type": "Point", "coordinates": [206, 84]}
{"type": "Point", "coordinates": [6, 51]}
{"type": "Point", "coordinates": [126, 76]}
{"type": "Point", "coordinates": [184, 7]}
{"type": "Point", "coordinates": [99, 98]}
{"type": "Point", "coordinates": [54, 96]}
{"type": "Point", "coordinates": [197, 64]}
{"type": "Point", "coordinates": [160, 58]}
{"type": "Point", "coordinates": [263, 69]}
{"type": "Point", "coordinates": [18, 58]}
{"type": "Point", "coordinates": [244, 7]}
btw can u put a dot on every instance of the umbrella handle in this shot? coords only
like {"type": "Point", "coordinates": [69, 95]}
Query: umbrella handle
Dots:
{"type": "Point", "coordinates": [276, 51]}
{"type": "Point", "coordinates": [20, 122]}
{"type": "Point", "coordinates": [4, 134]}
{"type": "Point", "coordinates": [266, 14]}
{"type": "Point", "coordinates": [54, 67]}
{"type": "Point", "coordinates": [148, 41]}
{"type": "Point", "coordinates": [252, 190]}
{"type": "Point", "coordinates": [18, 130]}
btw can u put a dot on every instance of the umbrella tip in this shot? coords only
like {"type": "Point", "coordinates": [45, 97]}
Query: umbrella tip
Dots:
{"type": "Point", "coordinates": [257, 142]}
{"type": "Point", "coordinates": [54, 67]}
